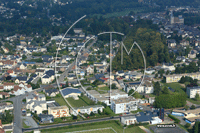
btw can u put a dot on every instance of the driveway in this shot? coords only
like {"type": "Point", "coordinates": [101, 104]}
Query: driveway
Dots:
{"type": "Point", "coordinates": [29, 121]}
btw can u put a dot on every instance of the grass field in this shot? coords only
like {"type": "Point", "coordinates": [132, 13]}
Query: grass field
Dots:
{"type": "Point", "coordinates": [76, 103]}
{"type": "Point", "coordinates": [118, 128]}
{"type": "Point", "coordinates": [193, 101]}
{"type": "Point", "coordinates": [176, 86]}
{"type": "Point", "coordinates": [104, 88]}
{"type": "Point", "coordinates": [100, 131]}
{"type": "Point", "coordinates": [60, 101]}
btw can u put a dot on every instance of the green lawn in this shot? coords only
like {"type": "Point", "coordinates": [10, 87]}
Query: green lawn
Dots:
{"type": "Point", "coordinates": [104, 88]}
{"type": "Point", "coordinates": [86, 99]}
{"type": "Point", "coordinates": [76, 103]}
{"type": "Point", "coordinates": [176, 86]}
{"type": "Point", "coordinates": [100, 131]}
{"type": "Point", "coordinates": [8, 131]}
{"type": "Point", "coordinates": [193, 101]}
{"type": "Point", "coordinates": [24, 125]}
{"type": "Point", "coordinates": [60, 101]}
{"type": "Point", "coordinates": [114, 124]}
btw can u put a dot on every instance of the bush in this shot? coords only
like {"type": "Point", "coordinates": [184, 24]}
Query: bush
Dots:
{"type": "Point", "coordinates": [193, 107]}
{"type": "Point", "coordinates": [176, 120]}
{"type": "Point", "coordinates": [187, 125]}
{"type": "Point", "coordinates": [138, 124]}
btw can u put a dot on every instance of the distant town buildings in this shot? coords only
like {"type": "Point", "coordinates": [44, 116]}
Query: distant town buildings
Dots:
{"type": "Point", "coordinates": [177, 77]}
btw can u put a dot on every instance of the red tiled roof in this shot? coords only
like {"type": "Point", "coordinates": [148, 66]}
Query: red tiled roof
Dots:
{"type": "Point", "coordinates": [6, 83]}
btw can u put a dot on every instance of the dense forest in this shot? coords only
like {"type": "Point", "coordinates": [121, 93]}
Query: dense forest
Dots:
{"type": "Point", "coordinates": [164, 3]}
{"type": "Point", "coordinates": [144, 32]}
{"type": "Point", "coordinates": [46, 16]}
{"type": "Point", "coordinates": [152, 43]}
{"type": "Point", "coordinates": [170, 100]}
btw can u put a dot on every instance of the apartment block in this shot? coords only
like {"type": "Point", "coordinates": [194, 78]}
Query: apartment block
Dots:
{"type": "Point", "coordinates": [123, 105]}
{"type": "Point", "coordinates": [192, 91]}
{"type": "Point", "coordinates": [177, 77]}
{"type": "Point", "coordinates": [60, 111]}
{"type": "Point", "coordinates": [86, 109]}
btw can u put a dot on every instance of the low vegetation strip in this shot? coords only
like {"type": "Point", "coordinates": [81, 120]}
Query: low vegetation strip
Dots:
{"type": "Point", "coordinates": [176, 120]}
{"type": "Point", "coordinates": [101, 129]}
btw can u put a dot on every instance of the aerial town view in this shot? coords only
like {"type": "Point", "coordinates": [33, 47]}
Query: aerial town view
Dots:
{"type": "Point", "coordinates": [99, 66]}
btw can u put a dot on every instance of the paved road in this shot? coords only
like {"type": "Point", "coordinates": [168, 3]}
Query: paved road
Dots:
{"type": "Point", "coordinates": [17, 102]}
{"type": "Point", "coordinates": [71, 123]}
{"type": "Point", "coordinates": [63, 75]}
{"type": "Point", "coordinates": [190, 104]}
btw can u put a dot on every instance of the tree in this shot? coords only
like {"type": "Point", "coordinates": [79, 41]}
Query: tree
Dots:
{"type": "Point", "coordinates": [113, 86]}
{"type": "Point", "coordinates": [74, 117]}
{"type": "Point", "coordinates": [187, 125]}
{"type": "Point", "coordinates": [167, 72]}
{"type": "Point", "coordinates": [95, 69]}
{"type": "Point", "coordinates": [82, 94]}
{"type": "Point", "coordinates": [92, 114]}
{"type": "Point", "coordinates": [34, 67]}
{"type": "Point", "coordinates": [66, 84]}
{"type": "Point", "coordinates": [157, 88]}
{"type": "Point", "coordinates": [165, 90]}
{"type": "Point", "coordinates": [182, 80]}
{"type": "Point", "coordinates": [193, 107]}
{"type": "Point", "coordinates": [156, 75]}
{"type": "Point", "coordinates": [99, 112]}
{"type": "Point", "coordinates": [24, 57]}
{"type": "Point", "coordinates": [197, 97]}
{"type": "Point", "coordinates": [186, 107]}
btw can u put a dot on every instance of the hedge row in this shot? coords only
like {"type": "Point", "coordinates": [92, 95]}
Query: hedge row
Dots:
{"type": "Point", "coordinates": [176, 120]}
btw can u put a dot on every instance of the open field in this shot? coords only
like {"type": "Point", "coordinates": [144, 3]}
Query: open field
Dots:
{"type": "Point", "coordinates": [60, 101]}
{"type": "Point", "coordinates": [193, 101]}
{"type": "Point", "coordinates": [176, 86]}
{"type": "Point", "coordinates": [76, 103]}
{"type": "Point", "coordinates": [114, 124]}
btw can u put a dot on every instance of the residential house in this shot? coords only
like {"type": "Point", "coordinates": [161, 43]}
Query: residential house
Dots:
{"type": "Point", "coordinates": [86, 109]}
{"type": "Point", "coordinates": [36, 106]}
{"type": "Point", "coordinates": [171, 42]}
{"type": "Point", "coordinates": [46, 118]}
{"type": "Point", "coordinates": [51, 92]}
{"type": "Point", "coordinates": [192, 54]}
{"type": "Point", "coordinates": [59, 111]}
{"type": "Point", "coordinates": [71, 92]}
{"type": "Point", "coordinates": [36, 96]}
{"type": "Point", "coordinates": [48, 77]}
{"type": "Point", "coordinates": [168, 66]}
{"type": "Point", "coordinates": [23, 66]}
{"type": "Point", "coordinates": [39, 72]}
{"type": "Point", "coordinates": [21, 79]}
{"type": "Point", "coordinates": [21, 89]}
{"type": "Point", "coordinates": [8, 86]}
{"type": "Point", "coordinates": [90, 69]}
{"type": "Point", "coordinates": [184, 43]}
{"type": "Point", "coordinates": [128, 120]}
{"type": "Point", "coordinates": [4, 95]}
{"type": "Point", "coordinates": [5, 106]}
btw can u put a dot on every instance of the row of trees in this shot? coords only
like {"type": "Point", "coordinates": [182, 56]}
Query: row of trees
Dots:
{"type": "Point", "coordinates": [192, 67]}
{"type": "Point", "coordinates": [6, 117]}
{"type": "Point", "coordinates": [170, 100]}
